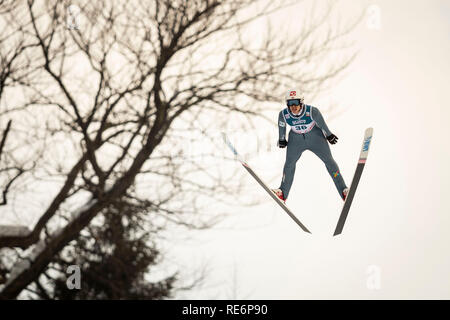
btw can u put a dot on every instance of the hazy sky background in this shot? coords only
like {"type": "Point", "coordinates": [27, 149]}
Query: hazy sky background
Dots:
{"type": "Point", "coordinates": [399, 222]}
{"type": "Point", "coordinates": [400, 218]}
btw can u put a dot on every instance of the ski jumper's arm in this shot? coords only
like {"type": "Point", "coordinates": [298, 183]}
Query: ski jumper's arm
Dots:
{"type": "Point", "coordinates": [281, 127]}
{"type": "Point", "coordinates": [320, 122]}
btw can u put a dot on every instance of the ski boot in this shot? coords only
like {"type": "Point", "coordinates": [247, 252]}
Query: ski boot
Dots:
{"type": "Point", "coordinates": [279, 194]}
{"type": "Point", "coordinates": [344, 194]}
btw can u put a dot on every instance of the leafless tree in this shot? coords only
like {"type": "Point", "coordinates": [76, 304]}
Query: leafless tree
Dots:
{"type": "Point", "coordinates": [15, 66]}
{"type": "Point", "coordinates": [110, 100]}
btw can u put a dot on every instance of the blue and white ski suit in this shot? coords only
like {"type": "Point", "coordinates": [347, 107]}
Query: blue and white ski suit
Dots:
{"type": "Point", "coordinates": [308, 132]}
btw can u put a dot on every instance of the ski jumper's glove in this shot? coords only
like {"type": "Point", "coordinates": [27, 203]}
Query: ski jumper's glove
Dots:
{"type": "Point", "coordinates": [282, 143]}
{"type": "Point", "coordinates": [332, 139]}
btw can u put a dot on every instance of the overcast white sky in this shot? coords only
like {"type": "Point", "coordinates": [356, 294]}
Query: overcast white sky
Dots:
{"type": "Point", "coordinates": [398, 226]}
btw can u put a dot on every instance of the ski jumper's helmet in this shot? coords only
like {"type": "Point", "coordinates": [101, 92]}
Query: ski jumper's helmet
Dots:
{"type": "Point", "coordinates": [294, 94]}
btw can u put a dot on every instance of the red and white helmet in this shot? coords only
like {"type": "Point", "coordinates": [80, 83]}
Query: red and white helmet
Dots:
{"type": "Point", "coordinates": [294, 94]}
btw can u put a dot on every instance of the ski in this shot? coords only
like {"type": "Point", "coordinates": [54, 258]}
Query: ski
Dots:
{"type": "Point", "coordinates": [262, 184]}
{"type": "Point", "coordinates": [358, 172]}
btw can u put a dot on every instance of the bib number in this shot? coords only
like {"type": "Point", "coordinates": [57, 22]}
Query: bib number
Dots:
{"type": "Point", "coordinates": [301, 127]}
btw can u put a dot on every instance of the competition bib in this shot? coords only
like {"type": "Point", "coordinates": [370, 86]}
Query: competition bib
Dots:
{"type": "Point", "coordinates": [302, 123]}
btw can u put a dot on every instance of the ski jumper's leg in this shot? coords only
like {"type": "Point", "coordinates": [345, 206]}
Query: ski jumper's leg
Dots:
{"type": "Point", "coordinates": [319, 145]}
{"type": "Point", "coordinates": [296, 146]}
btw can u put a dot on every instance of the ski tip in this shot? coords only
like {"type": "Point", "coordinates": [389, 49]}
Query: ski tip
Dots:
{"type": "Point", "coordinates": [369, 131]}
{"type": "Point", "coordinates": [224, 136]}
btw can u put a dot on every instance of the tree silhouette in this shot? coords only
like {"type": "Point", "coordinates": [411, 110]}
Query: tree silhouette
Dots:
{"type": "Point", "coordinates": [105, 111]}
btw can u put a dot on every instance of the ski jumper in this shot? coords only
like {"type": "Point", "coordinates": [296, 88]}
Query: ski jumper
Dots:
{"type": "Point", "coordinates": [308, 132]}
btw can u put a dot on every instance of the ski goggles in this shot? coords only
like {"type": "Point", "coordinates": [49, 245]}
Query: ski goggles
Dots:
{"type": "Point", "coordinates": [294, 102]}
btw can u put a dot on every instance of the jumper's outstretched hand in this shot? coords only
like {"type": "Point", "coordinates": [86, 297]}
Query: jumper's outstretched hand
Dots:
{"type": "Point", "coordinates": [332, 139]}
{"type": "Point", "coordinates": [282, 143]}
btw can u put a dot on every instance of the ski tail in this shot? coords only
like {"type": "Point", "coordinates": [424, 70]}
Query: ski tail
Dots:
{"type": "Point", "coordinates": [263, 184]}
{"type": "Point", "coordinates": [275, 197]}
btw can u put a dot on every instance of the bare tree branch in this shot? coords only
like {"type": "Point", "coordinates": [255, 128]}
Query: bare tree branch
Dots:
{"type": "Point", "coordinates": [5, 134]}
